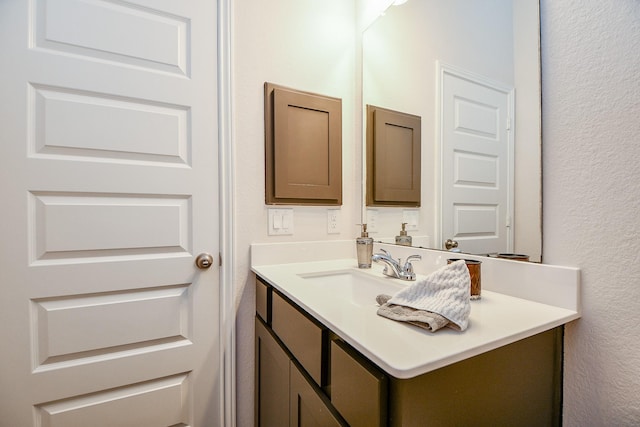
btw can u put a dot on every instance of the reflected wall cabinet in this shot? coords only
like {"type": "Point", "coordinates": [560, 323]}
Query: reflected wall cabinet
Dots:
{"type": "Point", "coordinates": [393, 158]}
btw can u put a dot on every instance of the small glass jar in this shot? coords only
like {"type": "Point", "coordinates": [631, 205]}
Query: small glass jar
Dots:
{"type": "Point", "coordinates": [474, 273]}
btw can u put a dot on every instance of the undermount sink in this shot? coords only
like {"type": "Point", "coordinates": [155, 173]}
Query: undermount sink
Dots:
{"type": "Point", "coordinates": [354, 286]}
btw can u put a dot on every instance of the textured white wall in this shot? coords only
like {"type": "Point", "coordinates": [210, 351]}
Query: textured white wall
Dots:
{"type": "Point", "coordinates": [306, 45]}
{"type": "Point", "coordinates": [591, 204]}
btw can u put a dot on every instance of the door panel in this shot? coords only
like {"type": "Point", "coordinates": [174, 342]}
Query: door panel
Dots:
{"type": "Point", "coordinates": [152, 316]}
{"type": "Point", "coordinates": [137, 405]}
{"type": "Point", "coordinates": [74, 226]}
{"type": "Point", "coordinates": [477, 163]}
{"type": "Point", "coordinates": [117, 130]}
{"type": "Point", "coordinates": [152, 38]}
{"type": "Point", "coordinates": [108, 156]}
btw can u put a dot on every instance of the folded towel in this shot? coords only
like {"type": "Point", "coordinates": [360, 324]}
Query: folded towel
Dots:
{"type": "Point", "coordinates": [424, 319]}
{"type": "Point", "coordinates": [444, 293]}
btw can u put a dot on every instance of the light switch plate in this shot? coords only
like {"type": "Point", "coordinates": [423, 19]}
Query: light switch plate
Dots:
{"type": "Point", "coordinates": [280, 222]}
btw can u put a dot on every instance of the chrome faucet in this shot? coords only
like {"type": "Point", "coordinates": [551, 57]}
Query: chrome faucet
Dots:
{"type": "Point", "coordinates": [395, 268]}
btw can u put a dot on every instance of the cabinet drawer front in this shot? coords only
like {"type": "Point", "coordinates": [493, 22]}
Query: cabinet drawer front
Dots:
{"type": "Point", "coordinates": [262, 300]}
{"type": "Point", "coordinates": [358, 389]}
{"type": "Point", "coordinates": [300, 334]}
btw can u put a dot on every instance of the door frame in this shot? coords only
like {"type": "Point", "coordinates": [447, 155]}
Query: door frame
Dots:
{"type": "Point", "coordinates": [443, 69]}
{"type": "Point", "coordinates": [227, 236]}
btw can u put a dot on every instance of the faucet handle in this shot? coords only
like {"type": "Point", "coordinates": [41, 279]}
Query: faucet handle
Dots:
{"type": "Point", "coordinates": [408, 267]}
{"type": "Point", "coordinates": [410, 257]}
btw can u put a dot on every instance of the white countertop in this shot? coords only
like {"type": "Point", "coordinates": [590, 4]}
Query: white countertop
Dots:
{"type": "Point", "coordinates": [401, 349]}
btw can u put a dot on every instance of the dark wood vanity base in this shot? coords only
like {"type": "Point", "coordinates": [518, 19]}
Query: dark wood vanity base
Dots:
{"type": "Point", "coordinates": [314, 378]}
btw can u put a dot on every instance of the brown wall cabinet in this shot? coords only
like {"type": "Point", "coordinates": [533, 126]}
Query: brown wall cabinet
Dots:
{"type": "Point", "coordinates": [515, 385]}
{"type": "Point", "coordinates": [303, 147]}
{"type": "Point", "coordinates": [393, 158]}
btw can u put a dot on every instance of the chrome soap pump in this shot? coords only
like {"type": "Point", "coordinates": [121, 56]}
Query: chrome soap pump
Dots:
{"type": "Point", "coordinates": [403, 239]}
{"type": "Point", "coordinates": [364, 248]}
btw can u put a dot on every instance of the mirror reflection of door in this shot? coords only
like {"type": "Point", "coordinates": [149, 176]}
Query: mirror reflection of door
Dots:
{"type": "Point", "coordinates": [476, 161]}
{"type": "Point", "coordinates": [496, 39]}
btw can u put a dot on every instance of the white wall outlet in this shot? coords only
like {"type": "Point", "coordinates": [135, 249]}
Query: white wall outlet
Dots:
{"type": "Point", "coordinates": [412, 218]}
{"type": "Point", "coordinates": [280, 222]}
{"type": "Point", "coordinates": [333, 221]}
{"type": "Point", "coordinates": [372, 220]}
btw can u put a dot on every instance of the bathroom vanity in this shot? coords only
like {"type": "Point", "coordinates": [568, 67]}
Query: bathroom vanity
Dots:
{"type": "Point", "coordinates": [324, 357]}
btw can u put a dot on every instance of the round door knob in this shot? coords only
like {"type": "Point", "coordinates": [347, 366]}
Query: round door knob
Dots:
{"type": "Point", "coordinates": [204, 261]}
{"type": "Point", "coordinates": [450, 244]}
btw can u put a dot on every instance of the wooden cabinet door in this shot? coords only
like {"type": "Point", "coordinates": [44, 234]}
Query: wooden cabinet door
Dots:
{"type": "Point", "coordinates": [309, 408]}
{"type": "Point", "coordinates": [272, 380]}
{"type": "Point", "coordinates": [303, 147]}
{"type": "Point", "coordinates": [393, 158]}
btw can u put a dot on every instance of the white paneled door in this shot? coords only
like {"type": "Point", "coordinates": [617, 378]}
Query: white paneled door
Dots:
{"type": "Point", "coordinates": [477, 162]}
{"type": "Point", "coordinates": [109, 186]}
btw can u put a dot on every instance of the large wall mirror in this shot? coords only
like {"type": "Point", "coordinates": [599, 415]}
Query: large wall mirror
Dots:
{"type": "Point", "coordinates": [471, 71]}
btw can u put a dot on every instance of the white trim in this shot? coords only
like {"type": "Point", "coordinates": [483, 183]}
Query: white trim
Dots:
{"type": "Point", "coordinates": [226, 233]}
{"type": "Point", "coordinates": [442, 69]}
{"type": "Point", "coordinates": [437, 170]}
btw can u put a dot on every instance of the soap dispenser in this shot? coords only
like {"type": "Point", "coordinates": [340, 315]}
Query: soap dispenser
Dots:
{"type": "Point", "coordinates": [403, 239]}
{"type": "Point", "coordinates": [364, 248]}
